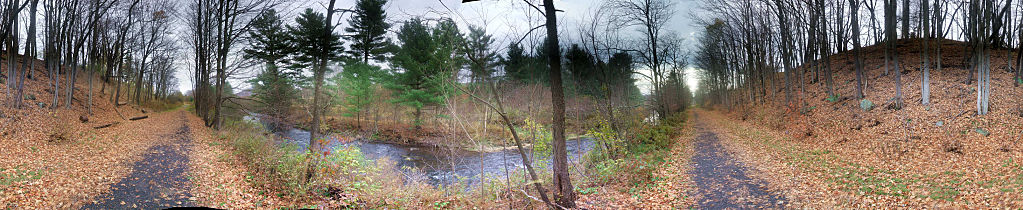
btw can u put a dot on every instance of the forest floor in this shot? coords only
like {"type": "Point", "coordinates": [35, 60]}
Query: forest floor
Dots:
{"type": "Point", "coordinates": [219, 177]}
{"type": "Point", "coordinates": [61, 155]}
{"type": "Point", "coordinates": [66, 167]}
{"type": "Point", "coordinates": [810, 175]}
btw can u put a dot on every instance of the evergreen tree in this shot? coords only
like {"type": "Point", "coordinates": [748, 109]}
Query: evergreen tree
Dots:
{"type": "Point", "coordinates": [315, 45]}
{"type": "Point", "coordinates": [539, 70]}
{"type": "Point", "coordinates": [421, 67]}
{"type": "Point", "coordinates": [367, 29]}
{"type": "Point", "coordinates": [515, 62]}
{"type": "Point", "coordinates": [314, 42]}
{"type": "Point", "coordinates": [482, 58]}
{"type": "Point", "coordinates": [268, 41]}
{"type": "Point", "coordinates": [618, 75]}
{"type": "Point", "coordinates": [273, 86]}
{"type": "Point", "coordinates": [582, 70]}
{"type": "Point", "coordinates": [356, 82]}
{"type": "Point", "coordinates": [525, 68]}
{"type": "Point", "coordinates": [448, 39]}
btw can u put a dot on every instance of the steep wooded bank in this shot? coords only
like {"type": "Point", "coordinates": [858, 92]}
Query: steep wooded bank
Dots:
{"type": "Point", "coordinates": [126, 43]}
{"type": "Point", "coordinates": [945, 136]}
{"type": "Point", "coordinates": [39, 114]}
{"type": "Point", "coordinates": [739, 55]}
{"type": "Point", "coordinates": [914, 99]}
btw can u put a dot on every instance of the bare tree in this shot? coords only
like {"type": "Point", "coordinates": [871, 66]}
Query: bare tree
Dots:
{"type": "Point", "coordinates": [825, 48]}
{"type": "Point", "coordinates": [905, 18]}
{"type": "Point", "coordinates": [1019, 50]}
{"type": "Point", "coordinates": [854, 17]}
{"type": "Point", "coordinates": [215, 26]}
{"type": "Point", "coordinates": [785, 50]}
{"type": "Point", "coordinates": [564, 194]}
{"type": "Point", "coordinates": [979, 33]}
{"type": "Point", "coordinates": [890, 50]}
{"type": "Point", "coordinates": [10, 38]}
{"type": "Point", "coordinates": [651, 17]}
{"type": "Point", "coordinates": [152, 39]}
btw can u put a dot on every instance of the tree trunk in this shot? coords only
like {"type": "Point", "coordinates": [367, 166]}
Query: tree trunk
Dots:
{"type": "Point", "coordinates": [1019, 55]}
{"type": "Point", "coordinates": [1019, 52]}
{"type": "Point", "coordinates": [358, 115]}
{"type": "Point", "coordinates": [318, 74]}
{"type": "Point", "coordinates": [854, 9]}
{"type": "Point", "coordinates": [873, 21]}
{"type": "Point", "coordinates": [785, 51]}
{"type": "Point", "coordinates": [314, 126]}
{"type": "Point", "coordinates": [892, 53]}
{"type": "Point", "coordinates": [939, 29]}
{"type": "Point", "coordinates": [825, 50]}
{"type": "Point", "coordinates": [925, 88]}
{"type": "Point", "coordinates": [564, 195]}
{"type": "Point", "coordinates": [982, 56]}
{"type": "Point", "coordinates": [13, 76]}
{"type": "Point", "coordinates": [905, 18]}
{"type": "Point", "coordinates": [810, 55]}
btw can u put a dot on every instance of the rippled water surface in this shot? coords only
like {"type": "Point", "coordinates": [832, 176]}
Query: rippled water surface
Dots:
{"type": "Point", "coordinates": [441, 166]}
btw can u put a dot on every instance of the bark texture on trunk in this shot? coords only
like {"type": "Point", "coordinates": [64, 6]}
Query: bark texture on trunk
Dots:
{"type": "Point", "coordinates": [564, 195]}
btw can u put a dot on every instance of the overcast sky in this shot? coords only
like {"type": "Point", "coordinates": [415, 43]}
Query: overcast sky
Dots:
{"type": "Point", "coordinates": [506, 20]}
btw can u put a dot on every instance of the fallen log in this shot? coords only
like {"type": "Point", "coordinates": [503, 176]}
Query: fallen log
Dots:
{"type": "Point", "coordinates": [139, 118]}
{"type": "Point", "coordinates": [105, 126]}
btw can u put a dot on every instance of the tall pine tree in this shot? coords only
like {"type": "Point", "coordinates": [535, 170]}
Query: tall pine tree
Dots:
{"type": "Point", "coordinates": [515, 62]}
{"type": "Point", "coordinates": [367, 30]}
{"type": "Point", "coordinates": [482, 59]}
{"type": "Point", "coordinates": [422, 66]}
{"type": "Point", "coordinates": [316, 44]}
{"type": "Point", "coordinates": [583, 71]}
{"type": "Point", "coordinates": [273, 86]}
{"type": "Point", "coordinates": [356, 82]}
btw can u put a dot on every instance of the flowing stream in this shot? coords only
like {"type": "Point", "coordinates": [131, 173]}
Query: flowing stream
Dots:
{"type": "Point", "coordinates": [442, 166]}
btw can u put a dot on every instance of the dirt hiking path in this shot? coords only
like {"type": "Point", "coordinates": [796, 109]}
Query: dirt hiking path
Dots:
{"type": "Point", "coordinates": [157, 181]}
{"type": "Point", "coordinates": [721, 180]}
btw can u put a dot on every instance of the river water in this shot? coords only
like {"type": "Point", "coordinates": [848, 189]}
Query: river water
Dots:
{"type": "Point", "coordinates": [441, 166]}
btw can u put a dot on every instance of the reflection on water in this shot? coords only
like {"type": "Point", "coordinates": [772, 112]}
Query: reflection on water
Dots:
{"type": "Point", "coordinates": [441, 166]}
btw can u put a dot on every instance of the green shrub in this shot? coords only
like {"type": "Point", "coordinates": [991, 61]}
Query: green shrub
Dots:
{"type": "Point", "coordinates": [284, 169]}
{"type": "Point", "coordinates": [348, 167]}
{"type": "Point", "coordinates": [641, 156]}
{"type": "Point", "coordinates": [280, 168]}
{"type": "Point", "coordinates": [607, 170]}
{"type": "Point", "coordinates": [833, 98]}
{"type": "Point", "coordinates": [606, 139]}
{"type": "Point", "coordinates": [540, 137]}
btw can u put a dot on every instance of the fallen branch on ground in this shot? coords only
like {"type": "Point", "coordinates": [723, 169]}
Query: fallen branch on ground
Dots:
{"type": "Point", "coordinates": [105, 126]}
